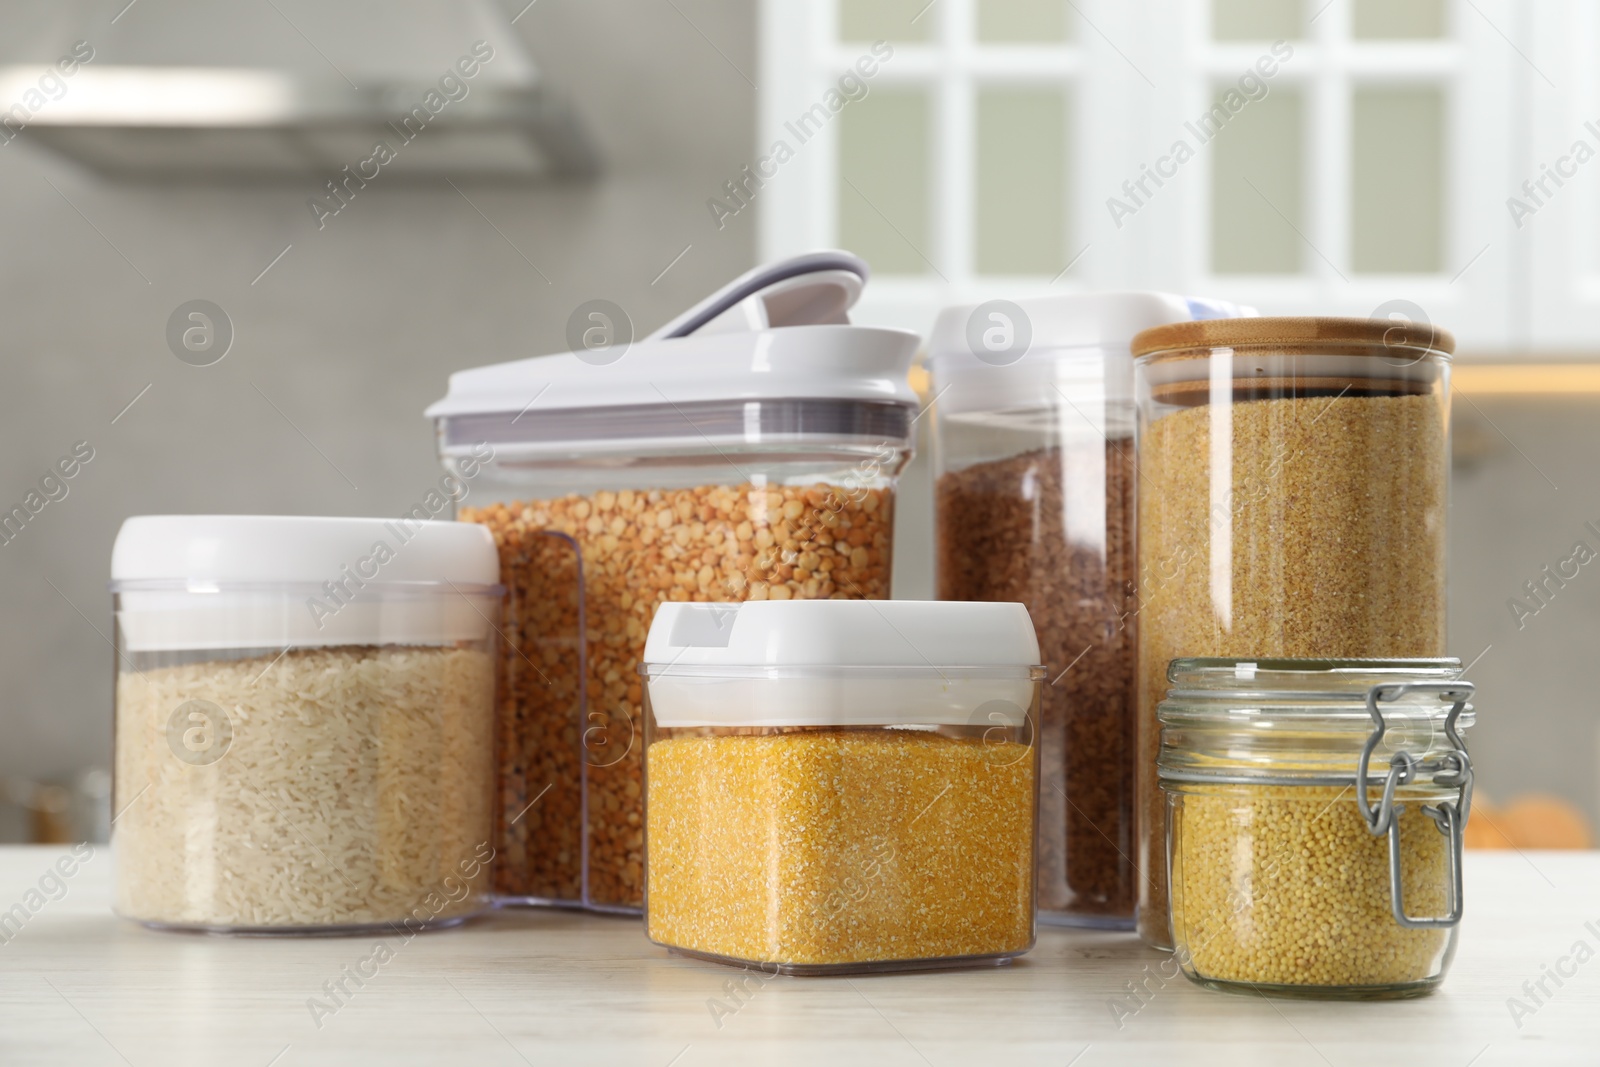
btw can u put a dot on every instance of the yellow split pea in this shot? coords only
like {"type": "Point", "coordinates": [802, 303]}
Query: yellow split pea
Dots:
{"type": "Point", "coordinates": [639, 549]}
{"type": "Point", "coordinates": [828, 847]}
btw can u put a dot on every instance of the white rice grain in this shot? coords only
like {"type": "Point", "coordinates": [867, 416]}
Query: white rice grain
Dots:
{"type": "Point", "coordinates": [356, 790]}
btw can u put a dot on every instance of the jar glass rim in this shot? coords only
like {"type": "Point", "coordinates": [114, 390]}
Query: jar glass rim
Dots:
{"type": "Point", "coordinates": [1207, 676]}
{"type": "Point", "coordinates": [1305, 719]}
{"type": "Point", "coordinates": [1302, 694]}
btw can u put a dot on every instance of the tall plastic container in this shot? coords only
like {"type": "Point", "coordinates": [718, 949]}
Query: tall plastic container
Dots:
{"type": "Point", "coordinates": [747, 451]}
{"type": "Point", "coordinates": [1294, 484]}
{"type": "Point", "coordinates": [1035, 494]}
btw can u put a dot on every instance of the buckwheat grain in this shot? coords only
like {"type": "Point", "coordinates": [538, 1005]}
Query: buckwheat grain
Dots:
{"type": "Point", "coordinates": [1005, 534]}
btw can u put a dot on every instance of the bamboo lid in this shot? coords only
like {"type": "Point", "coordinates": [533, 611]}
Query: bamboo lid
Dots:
{"type": "Point", "coordinates": [1375, 337]}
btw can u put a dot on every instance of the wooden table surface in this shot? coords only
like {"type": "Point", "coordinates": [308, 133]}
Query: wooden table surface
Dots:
{"type": "Point", "coordinates": [79, 986]}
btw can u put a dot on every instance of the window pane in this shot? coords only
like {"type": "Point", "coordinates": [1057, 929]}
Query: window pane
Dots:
{"type": "Point", "coordinates": [1397, 180]}
{"type": "Point", "coordinates": [885, 20]}
{"type": "Point", "coordinates": [1021, 189]}
{"type": "Point", "coordinates": [1388, 19]}
{"type": "Point", "coordinates": [1257, 20]}
{"type": "Point", "coordinates": [1256, 182]}
{"type": "Point", "coordinates": [884, 191]}
{"type": "Point", "coordinates": [1026, 21]}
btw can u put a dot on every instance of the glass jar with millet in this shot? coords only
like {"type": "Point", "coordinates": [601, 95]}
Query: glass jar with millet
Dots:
{"type": "Point", "coordinates": [1315, 818]}
{"type": "Point", "coordinates": [1293, 484]}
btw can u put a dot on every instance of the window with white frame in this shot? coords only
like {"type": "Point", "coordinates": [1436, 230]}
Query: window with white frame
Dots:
{"type": "Point", "coordinates": [1303, 156]}
{"type": "Point", "coordinates": [1554, 189]}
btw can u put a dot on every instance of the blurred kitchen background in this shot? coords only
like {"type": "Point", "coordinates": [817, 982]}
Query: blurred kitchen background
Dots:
{"type": "Point", "coordinates": [626, 150]}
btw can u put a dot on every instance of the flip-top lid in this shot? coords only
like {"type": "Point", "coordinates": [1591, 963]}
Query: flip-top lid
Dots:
{"type": "Point", "coordinates": [189, 582]}
{"type": "Point", "coordinates": [1005, 355]}
{"type": "Point", "coordinates": [842, 663]}
{"type": "Point", "coordinates": [780, 334]}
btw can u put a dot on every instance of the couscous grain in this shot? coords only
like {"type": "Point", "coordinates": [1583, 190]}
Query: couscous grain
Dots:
{"type": "Point", "coordinates": [828, 847]}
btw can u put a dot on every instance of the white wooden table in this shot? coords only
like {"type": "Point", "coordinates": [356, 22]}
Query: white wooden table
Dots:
{"type": "Point", "coordinates": [79, 986]}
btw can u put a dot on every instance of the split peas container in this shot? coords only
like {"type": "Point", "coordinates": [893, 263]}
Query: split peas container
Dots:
{"type": "Point", "coordinates": [839, 787]}
{"type": "Point", "coordinates": [748, 451]}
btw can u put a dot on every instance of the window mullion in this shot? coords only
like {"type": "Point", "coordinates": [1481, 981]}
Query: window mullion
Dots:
{"type": "Point", "coordinates": [954, 142]}
{"type": "Point", "coordinates": [1327, 153]}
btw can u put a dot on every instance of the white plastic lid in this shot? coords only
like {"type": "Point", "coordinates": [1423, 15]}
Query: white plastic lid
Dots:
{"type": "Point", "coordinates": [1008, 355]}
{"type": "Point", "coordinates": [841, 663]}
{"type": "Point", "coordinates": [266, 581]}
{"type": "Point", "coordinates": [780, 334]}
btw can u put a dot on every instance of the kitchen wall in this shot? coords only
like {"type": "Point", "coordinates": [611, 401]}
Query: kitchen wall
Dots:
{"type": "Point", "coordinates": [1526, 484]}
{"type": "Point", "coordinates": [339, 346]}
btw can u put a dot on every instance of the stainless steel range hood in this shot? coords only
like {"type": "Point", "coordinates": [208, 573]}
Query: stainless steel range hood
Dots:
{"type": "Point", "coordinates": [297, 88]}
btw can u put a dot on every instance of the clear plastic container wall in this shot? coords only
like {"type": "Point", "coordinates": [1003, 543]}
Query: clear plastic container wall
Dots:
{"type": "Point", "coordinates": [587, 552]}
{"type": "Point", "coordinates": [1036, 506]}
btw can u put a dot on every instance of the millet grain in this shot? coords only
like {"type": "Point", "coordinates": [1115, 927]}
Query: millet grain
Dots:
{"type": "Point", "coordinates": [1335, 518]}
{"type": "Point", "coordinates": [829, 847]}
{"type": "Point", "coordinates": [1288, 887]}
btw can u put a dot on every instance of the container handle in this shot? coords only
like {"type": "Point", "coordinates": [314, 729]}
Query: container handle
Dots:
{"type": "Point", "coordinates": [837, 283]}
{"type": "Point", "coordinates": [1453, 769]}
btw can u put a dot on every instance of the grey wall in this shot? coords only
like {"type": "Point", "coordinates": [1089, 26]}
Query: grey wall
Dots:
{"type": "Point", "coordinates": [1526, 482]}
{"type": "Point", "coordinates": [351, 334]}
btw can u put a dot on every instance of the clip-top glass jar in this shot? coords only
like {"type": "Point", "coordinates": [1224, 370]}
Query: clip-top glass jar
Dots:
{"type": "Point", "coordinates": [747, 451]}
{"type": "Point", "coordinates": [1035, 492]}
{"type": "Point", "coordinates": [1293, 492]}
{"type": "Point", "coordinates": [1314, 822]}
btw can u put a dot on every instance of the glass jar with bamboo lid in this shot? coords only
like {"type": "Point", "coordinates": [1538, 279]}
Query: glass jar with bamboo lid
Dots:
{"type": "Point", "coordinates": [1292, 501]}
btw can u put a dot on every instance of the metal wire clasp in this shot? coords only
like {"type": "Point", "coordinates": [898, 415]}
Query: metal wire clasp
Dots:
{"type": "Point", "coordinates": [1452, 770]}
